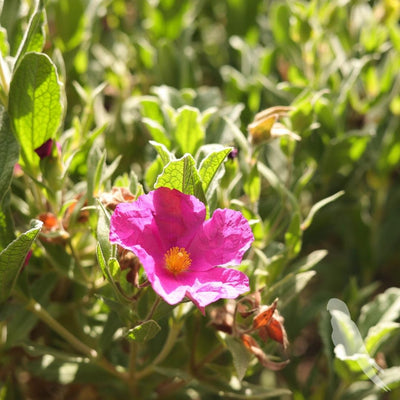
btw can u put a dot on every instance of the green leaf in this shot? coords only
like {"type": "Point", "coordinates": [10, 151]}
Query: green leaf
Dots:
{"type": "Point", "coordinates": [71, 33]}
{"type": "Point", "coordinates": [252, 186]}
{"type": "Point", "coordinates": [150, 110]}
{"type": "Point", "coordinates": [157, 131]}
{"type": "Point", "coordinates": [102, 262]}
{"type": "Point", "coordinates": [8, 153]}
{"type": "Point", "coordinates": [350, 347]}
{"type": "Point", "coordinates": [96, 162]}
{"type": "Point", "coordinates": [183, 176]}
{"type": "Point", "coordinates": [135, 186]}
{"type": "Point", "coordinates": [289, 287]}
{"type": "Point", "coordinates": [144, 332]}
{"type": "Point", "coordinates": [103, 231]}
{"type": "Point", "coordinates": [34, 37]}
{"type": "Point", "coordinates": [34, 105]}
{"type": "Point", "coordinates": [113, 267]}
{"type": "Point", "coordinates": [188, 133]}
{"type": "Point", "coordinates": [13, 257]}
{"type": "Point", "coordinates": [345, 333]}
{"type": "Point", "coordinates": [391, 377]}
{"type": "Point", "coordinates": [384, 308]}
{"type": "Point", "coordinates": [6, 222]}
{"type": "Point", "coordinates": [4, 46]}
{"type": "Point", "coordinates": [316, 207]}
{"type": "Point", "coordinates": [79, 159]}
{"type": "Point", "coordinates": [163, 152]}
{"type": "Point", "coordinates": [379, 334]}
{"type": "Point", "coordinates": [241, 356]}
{"type": "Point", "coordinates": [153, 172]}
{"type": "Point", "coordinates": [293, 236]}
{"type": "Point", "coordinates": [309, 261]}
{"type": "Point", "coordinates": [210, 165]}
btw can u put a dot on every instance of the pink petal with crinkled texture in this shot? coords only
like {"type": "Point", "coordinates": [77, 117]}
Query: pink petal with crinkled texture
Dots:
{"type": "Point", "coordinates": [223, 240]}
{"type": "Point", "coordinates": [206, 287]}
{"type": "Point", "coordinates": [162, 219]}
{"type": "Point", "coordinates": [202, 288]}
{"type": "Point", "coordinates": [132, 224]}
{"type": "Point", "coordinates": [178, 216]}
{"type": "Point", "coordinates": [169, 286]}
{"type": "Point", "coordinates": [165, 218]}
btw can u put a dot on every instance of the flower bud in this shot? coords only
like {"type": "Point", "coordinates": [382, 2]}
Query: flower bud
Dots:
{"type": "Point", "coordinates": [266, 126]}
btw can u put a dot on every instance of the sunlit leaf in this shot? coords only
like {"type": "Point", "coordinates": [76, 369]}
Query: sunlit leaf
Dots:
{"type": "Point", "coordinates": [12, 259]}
{"type": "Point", "coordinates": [379, 334]}
{"type": "Point", "coordinates": [34, 105]}
{"type": "Point", "coordinates": [210, 165]}
{"type": "Point", "coordinates": [34, 37]}
{"type": "Point", "coordinates": [384, 308]}
{"type": "Point", "coordinates": [188, 133]}
{"type": "Point", "coordinates": [8, 153]}
{"type": "Point", "coordinates": [163, 152]}
{"type": "Point", "coordinates": [182, 175]}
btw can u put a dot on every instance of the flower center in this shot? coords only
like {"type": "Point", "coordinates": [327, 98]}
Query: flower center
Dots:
{"type": "Point", "coordinates": [177, 260]}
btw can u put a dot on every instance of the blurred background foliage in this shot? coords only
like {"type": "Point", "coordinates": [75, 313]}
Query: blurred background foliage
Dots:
{"type": "Point", "coordinates": [129, 66]}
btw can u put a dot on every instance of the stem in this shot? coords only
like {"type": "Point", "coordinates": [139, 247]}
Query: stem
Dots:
{"type": "Point", "coordinates": [153, 308]}
{"type": "Point", "coordinates": [132, 369]}
{"type": "Point", "coordinates": [168, 345]}
{"type": "Point", "coordinates": [44, 316]}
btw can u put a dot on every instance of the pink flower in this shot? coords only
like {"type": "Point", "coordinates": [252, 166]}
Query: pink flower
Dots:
{"type": "Point", "coordinates": [182, 253]}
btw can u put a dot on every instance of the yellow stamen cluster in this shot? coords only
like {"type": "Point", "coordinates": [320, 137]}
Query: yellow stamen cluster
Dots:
{"type": "Point", "coordinates": [177, 260]}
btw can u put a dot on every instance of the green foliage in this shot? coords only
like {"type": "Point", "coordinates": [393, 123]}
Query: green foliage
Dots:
{"type": "Point", "coordinates": [34, 105]}
{"type": "Point", "coordinates": [144, 332]}
{"type": "Point", "coordinates": [161, 93]}
{"type": "Point", "coordinates": [8, 153]}
{"type": "Point", "coordinates": [182, 175]}
{"type": "Point", "coordinates": [354, 355]}
{"type": "Point", "coordinates": [12, 259]}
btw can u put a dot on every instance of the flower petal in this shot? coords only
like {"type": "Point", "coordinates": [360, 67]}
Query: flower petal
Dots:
{"type": "Point", "coordinates": [202, 288]}
{"type": "Point", "coordinates": [167, 285]}
{"type": "Point", "coordinates": [206, 287]}
{"type": "Point", "coordinates": [224, 239]}
{"type": "Point", "coordinates": [157, 221]}
{"type": "Point", "coordinates": [132, 224]}
{"type": "Point", "coordinates": [178, 216]}
{"type": "Point", "coordinates": [166, 218]}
